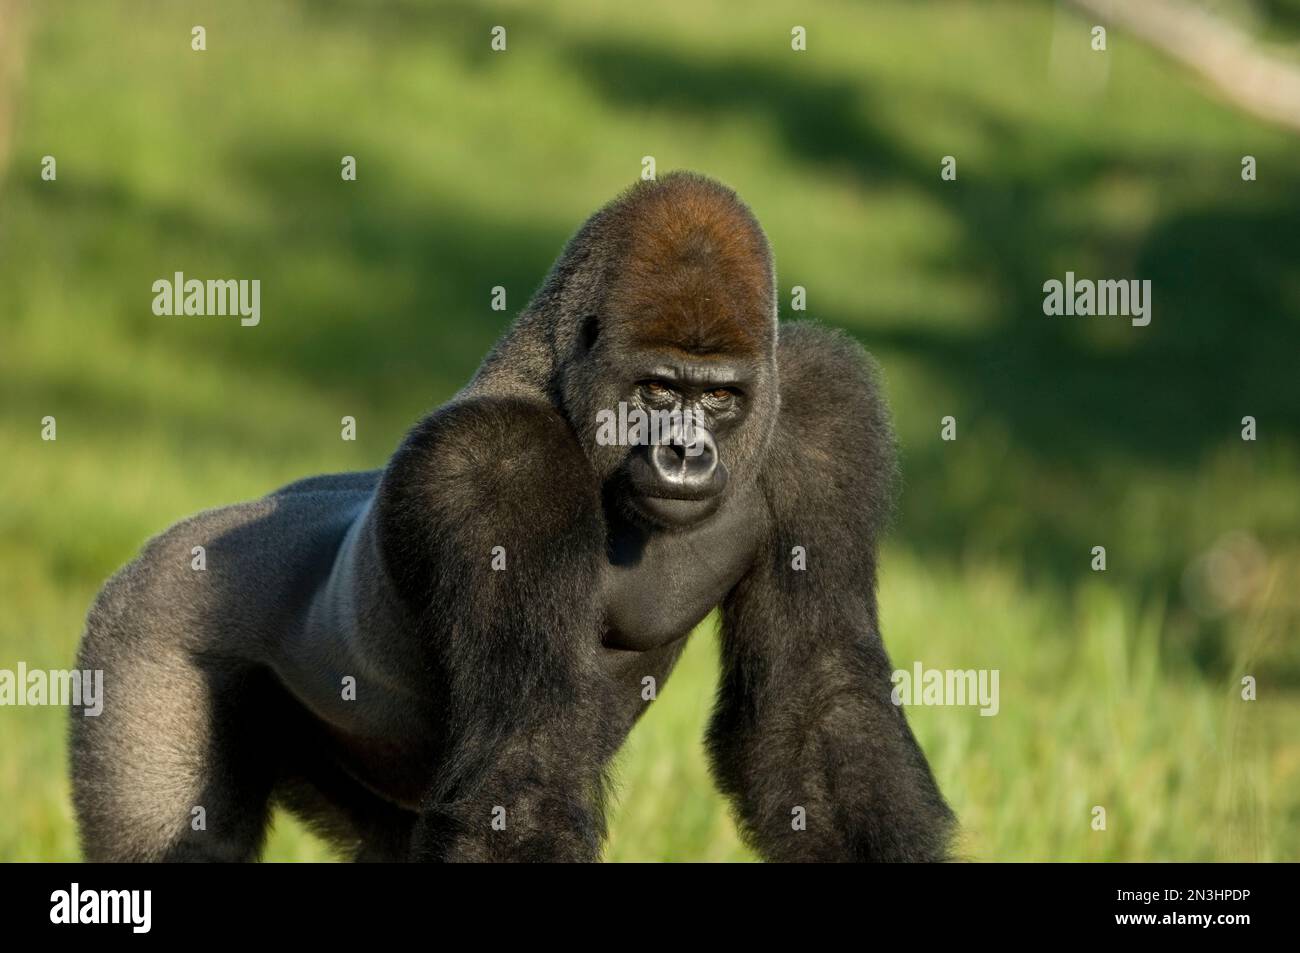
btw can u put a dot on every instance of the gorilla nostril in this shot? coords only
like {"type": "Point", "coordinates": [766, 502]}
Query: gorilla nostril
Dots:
{"type": "Point", "coordinates": [669, 459]}
{"type": "Point", "coordinates": [685, 467]}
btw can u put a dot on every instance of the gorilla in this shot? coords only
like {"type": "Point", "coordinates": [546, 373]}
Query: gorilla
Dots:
{"type": "Point", "coordinates": [439, 660]}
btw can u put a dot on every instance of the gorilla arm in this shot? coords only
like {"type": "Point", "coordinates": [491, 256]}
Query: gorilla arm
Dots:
{"type": "Point", "coordinates": [804, 717]}
{"type": "Point", "coordinates": [513, 650]}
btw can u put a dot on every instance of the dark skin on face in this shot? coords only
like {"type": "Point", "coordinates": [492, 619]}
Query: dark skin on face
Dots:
{"type": "Point", "coordinates": [676, 484]}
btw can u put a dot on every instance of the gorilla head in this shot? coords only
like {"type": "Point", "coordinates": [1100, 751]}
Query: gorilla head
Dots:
{"type": "Point", "coordinates": [678, 319]}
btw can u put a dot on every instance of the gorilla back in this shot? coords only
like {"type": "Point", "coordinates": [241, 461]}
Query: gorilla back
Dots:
{"type": "Point", "coordinates": [438, 660]}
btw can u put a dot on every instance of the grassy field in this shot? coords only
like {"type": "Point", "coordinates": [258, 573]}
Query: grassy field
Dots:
{"type": "Point", "coordinates": [1118, 688]}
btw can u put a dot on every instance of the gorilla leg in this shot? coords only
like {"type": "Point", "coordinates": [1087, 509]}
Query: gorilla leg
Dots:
{"type": "Point", "coordinates": [360, 825]}
{"type": "Point", "coordinates": [175, 736]}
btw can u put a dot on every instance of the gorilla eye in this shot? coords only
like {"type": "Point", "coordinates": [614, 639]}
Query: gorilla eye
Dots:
{"type": "Point", "coordinates": [721, 394]}
{"type": "Point", "coordinates": [656, 388]}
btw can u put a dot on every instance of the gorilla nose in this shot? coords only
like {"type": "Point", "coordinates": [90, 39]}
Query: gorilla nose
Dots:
{"type": "Point", "coordinates": [687, 469]}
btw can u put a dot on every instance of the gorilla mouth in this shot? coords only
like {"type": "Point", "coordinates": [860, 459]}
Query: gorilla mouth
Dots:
{"type": "Point", "coordinates": [687, 496]}
{"type": "Point", "coordinates": [659, 495]}
{"type": "Point", "coordinates": [647, 481]}
{"type": "Point", "coordinates": [676, 510]}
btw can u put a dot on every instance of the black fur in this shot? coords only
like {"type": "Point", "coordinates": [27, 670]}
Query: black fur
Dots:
{"type": "Point", "coordinates": [488, 695]}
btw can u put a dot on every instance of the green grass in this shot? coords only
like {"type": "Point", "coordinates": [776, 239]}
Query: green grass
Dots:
{"type": "Point", "coordinates": [1118, 689]}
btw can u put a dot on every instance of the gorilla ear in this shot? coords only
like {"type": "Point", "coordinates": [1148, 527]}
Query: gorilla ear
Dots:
{"type": "Point", "coordinates": [590, 331]}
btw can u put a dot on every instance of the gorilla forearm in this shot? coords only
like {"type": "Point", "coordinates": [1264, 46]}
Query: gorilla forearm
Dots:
{"type": "Point", "coordinates": [539, 798]}
{"type": "Point", "coordinates": [804, 716]}
{"type": "Point", "coordinates": [513, 648]}
{"type": "Point", "coordinates": [805, 721]}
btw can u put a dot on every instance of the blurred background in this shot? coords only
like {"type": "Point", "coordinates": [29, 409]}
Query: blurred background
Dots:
{"type": "Point", "coordinates": [1119, 688]}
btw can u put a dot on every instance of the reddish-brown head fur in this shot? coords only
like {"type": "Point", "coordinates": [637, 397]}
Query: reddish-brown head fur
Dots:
{"type": "Point", "coordinates": [696, 273]}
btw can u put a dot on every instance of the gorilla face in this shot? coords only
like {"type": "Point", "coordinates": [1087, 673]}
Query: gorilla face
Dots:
{"type": "Point", "coordinates": [711, 415]}
{"type": "Point", "coordinates": [679, 476]}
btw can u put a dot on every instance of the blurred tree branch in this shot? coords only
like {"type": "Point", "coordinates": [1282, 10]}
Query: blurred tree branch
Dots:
{"type": "Point", "coordinates": [1241, 71]}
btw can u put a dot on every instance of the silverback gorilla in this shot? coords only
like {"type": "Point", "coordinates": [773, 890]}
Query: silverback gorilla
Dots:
{"type": "Point", "coordinates": [438, 660]}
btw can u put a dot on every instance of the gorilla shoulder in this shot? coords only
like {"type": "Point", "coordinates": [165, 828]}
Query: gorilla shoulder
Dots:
{"type": "Point", "coordinates": [486, 473]}
{"type": "Point", "coordinates": [834, 442]}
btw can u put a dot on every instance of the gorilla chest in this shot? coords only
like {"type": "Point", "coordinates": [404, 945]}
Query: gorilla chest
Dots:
{"type": "Point", "coordinates": [658, 586]}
